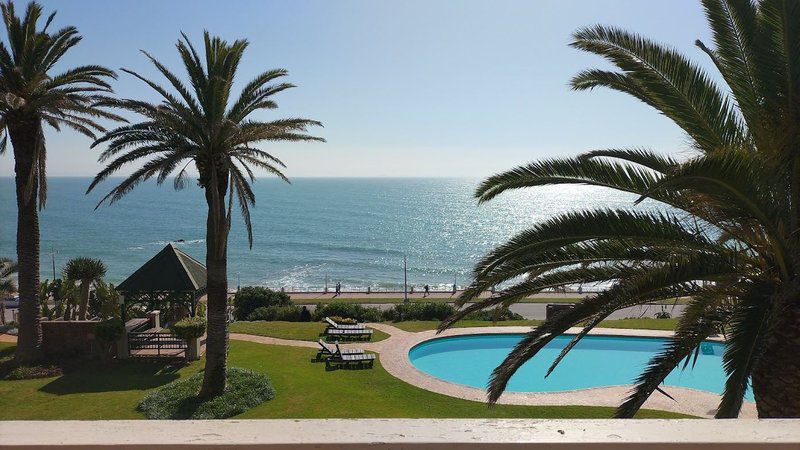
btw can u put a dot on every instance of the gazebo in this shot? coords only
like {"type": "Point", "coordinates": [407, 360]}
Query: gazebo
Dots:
{"type": "Point", "coordinates": [170, 278]}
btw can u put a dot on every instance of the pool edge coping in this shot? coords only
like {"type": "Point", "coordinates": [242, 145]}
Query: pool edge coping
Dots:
{"type": "Point", "coordinates": [395, 359]}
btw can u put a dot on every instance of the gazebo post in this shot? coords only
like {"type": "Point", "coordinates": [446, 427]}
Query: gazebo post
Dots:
{"type": "Point", "coordinates": [123, 351]}
{"type": "Point", "coordinates": [123, 305]}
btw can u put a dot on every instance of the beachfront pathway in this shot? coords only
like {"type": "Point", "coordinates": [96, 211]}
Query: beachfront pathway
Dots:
{"type": "Point", "coordinates": [300, 297]}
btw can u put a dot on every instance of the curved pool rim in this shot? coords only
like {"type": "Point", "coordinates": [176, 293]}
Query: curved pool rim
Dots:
{"type": "Point", "coordinates": [394, 358]}
{"type": "Point", "coordinates": [607, 332]}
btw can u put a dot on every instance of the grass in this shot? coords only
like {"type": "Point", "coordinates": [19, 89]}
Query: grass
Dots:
{"type": "Point", "coordinates": [301, 331]}
{"type": "Point", "coordinates": [178, 400]}
{"type": "Point", "coordinates": [415, 326]}
{"type": "Point", "coordinates": [644, 323]}
{"type": "Point", "coordinates": [94, 391]}
{"type": "Point", "coordinates": [310, 331]}
{"type": "Point", "coordinates": [303, 390]}
{"type": "Point", "coordinates": [639, 324]}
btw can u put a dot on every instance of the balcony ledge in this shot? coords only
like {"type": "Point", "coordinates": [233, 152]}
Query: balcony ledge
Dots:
{"type": "Point", "coordinates": [402, 434]}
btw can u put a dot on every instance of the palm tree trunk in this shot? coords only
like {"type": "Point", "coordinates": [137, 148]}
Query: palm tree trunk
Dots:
{"type": "Point", "coordinates": [24, 139]}
{"type": "Point", "coordinates": [214, 378]}
{"type": "Point", "coordinates": [776, 377]}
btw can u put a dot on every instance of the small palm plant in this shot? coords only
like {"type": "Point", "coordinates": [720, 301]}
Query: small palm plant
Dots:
{"type": "Point", "coordinates": [7, 284]}
{"type": "Point", "coordinates": [87, 271]}
{"type": "Point", "coordinates": [729, 236]}
{"type": "Point", "coordinates": [33, 94]}
{"type": "Point", "coordinates": [202, 127]}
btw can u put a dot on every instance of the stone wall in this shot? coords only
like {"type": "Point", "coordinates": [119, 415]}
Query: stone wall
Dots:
{"type": "Point", "coordinates": [69, 338]}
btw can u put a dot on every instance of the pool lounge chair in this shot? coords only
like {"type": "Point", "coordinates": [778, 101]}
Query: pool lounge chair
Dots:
{"type": "Point", "coordinates": [330, 350]}
{"type": "Point", "coordinates": [342, 326]}
{"type": "Point", "coordinates": [349, 359]}
{"type": "Point", "coordinates": [358, 333]}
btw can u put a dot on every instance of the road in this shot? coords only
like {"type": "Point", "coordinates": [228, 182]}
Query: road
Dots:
{"type": "Point", "coordinates": [313, 297]}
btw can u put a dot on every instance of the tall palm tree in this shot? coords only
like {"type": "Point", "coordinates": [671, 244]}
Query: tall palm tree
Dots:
{"type": "Point", "coordinates": [7, 285]}
{"type": "Point", "coordinates": [201, 126]}
{"type": "Point", "coordinates": [31, 95]}
{"type": "Point", "coordinates": [87, 271]}
{"type": "Point", "coordinates": [728, 237]}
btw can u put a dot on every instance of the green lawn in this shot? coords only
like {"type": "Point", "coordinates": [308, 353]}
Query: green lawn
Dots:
{"type": "Point", "coordinates": [644, 323]}
{"type": "Point", "coordinates": [641, 324]}
{"type": "Point", "coordinates": [425, 325]}
{"type": "Point", "coordinates": [304, 390]}
{"type": "Point", "coordinates": [302, 331]}
{"type": "Point", "coordinates": [310, 331]}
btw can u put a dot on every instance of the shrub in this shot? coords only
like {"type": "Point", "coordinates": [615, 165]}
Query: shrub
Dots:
{"type": "Point", "coordinates": [189, 328]}
{"type": "Point", "coordinates": [178, 400]}
{"type": "Point", "coordinates": [343, 320]}
{"type": "Point", "coordinates": [31, 372]}
{"type": "Point", "coordinates": [349, 311]}
{"type": "Point", "coordinates": [201, 310]}
{"type": "Point", "coordinates": [109, 330]}
{"type": "Point", "coordinates": [440, 311]}
{"type": "Point", "coordinates": [492, 315]}
{"type": "Point", "coordinates": [103, 301]}
{"type": "Point", "coordinates": [283, 313]}
{"type": "Point", "coordinates": [305, 315]}
{"type": "Point", "coordinates": [419, 311]}
{"type": "Point", "coordinates": [251, 297]}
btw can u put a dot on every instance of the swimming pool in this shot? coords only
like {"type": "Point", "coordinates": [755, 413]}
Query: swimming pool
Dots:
{"type": "Point", "coordinates": [597, 361]}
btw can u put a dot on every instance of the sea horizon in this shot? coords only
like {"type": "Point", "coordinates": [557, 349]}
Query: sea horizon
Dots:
{"type": "Point", "coordinates": [351, 230]}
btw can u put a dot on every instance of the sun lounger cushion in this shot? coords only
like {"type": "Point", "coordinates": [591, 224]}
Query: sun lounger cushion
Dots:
{"type": "Point", "coordinates": [341, 326]}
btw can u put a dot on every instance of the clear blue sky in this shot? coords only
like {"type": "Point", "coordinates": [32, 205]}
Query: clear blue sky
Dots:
{"type": "Point", "coordinates": [411, 88]}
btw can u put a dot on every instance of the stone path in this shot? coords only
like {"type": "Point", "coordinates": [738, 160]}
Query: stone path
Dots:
{"type": "Point", "coordinates": [272, 341]}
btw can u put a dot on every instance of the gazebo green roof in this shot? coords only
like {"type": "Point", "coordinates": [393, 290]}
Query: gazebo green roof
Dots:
{"type": "Point", "coordinates": [170, 270]}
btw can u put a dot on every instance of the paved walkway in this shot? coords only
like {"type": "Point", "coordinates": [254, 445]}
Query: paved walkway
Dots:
{"type": "Point", "coordinates": [298, 297]}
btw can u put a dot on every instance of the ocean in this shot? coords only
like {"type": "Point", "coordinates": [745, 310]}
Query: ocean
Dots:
{"type": "Point", "coordinates": [355, 231]}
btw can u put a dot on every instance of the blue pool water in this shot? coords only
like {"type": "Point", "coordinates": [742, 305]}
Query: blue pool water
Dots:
{"type": "Point", "coordinates": [595, 362]}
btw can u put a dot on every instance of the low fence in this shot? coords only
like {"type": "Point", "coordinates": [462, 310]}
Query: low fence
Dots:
{"type": "Point", "coordinates": [138, 341]}
{"type": "Point", "coordinates": [72, 338]}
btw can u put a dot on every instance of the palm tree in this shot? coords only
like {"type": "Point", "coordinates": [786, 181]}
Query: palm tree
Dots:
{"type": "Point", "coordinates": [7, 285]}
{"type": "Point", "coordinates": [87, 271]}
{"type": "Point", "coordinates": [31, 95]}
{"type": "Point", "coordinates": [199, 126]}
{"type": "Point", "coordinates": [728, 237]}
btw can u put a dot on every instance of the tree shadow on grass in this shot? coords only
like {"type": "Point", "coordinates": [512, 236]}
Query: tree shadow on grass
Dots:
{"type": "Point", "coordinates": [116, 376]}
{"type": "Point", "coordinates": [187, 407]}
